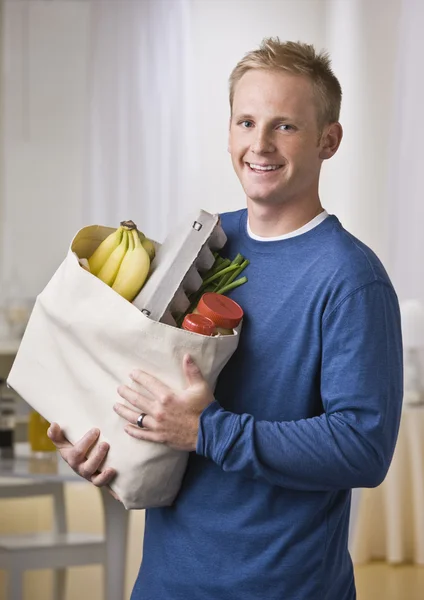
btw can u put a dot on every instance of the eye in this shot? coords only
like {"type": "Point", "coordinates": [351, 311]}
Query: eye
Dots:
{"type": "Point", "coordinates": [246, 124]}
{"type": "Point", "coordinates": [286, 127]}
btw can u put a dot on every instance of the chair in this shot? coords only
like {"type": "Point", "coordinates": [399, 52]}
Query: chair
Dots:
{"type": "Point", "coordinates": [57, 549]}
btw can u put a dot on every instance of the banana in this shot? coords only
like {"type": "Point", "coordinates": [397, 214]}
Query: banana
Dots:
{"type": "Point", "coordinates": [133, 270]}
{"type": "Point", "coordinates": [111, 267]}
{"type": "Point", "coordinates": [147, 245]}
{"type": "Point", "coordinates": [145, 242]}
{"type": "Point", "coordinates": [104, 250]}
{"type": "Point", "coordinates": [149, 248]}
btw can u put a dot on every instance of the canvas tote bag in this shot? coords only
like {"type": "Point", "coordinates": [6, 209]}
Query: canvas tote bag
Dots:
{"type": "Point", "coordinates": [81, 342]}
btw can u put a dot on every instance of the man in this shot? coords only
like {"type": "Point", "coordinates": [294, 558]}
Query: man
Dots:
{"type": "Point", "coordinates": [309, 405]}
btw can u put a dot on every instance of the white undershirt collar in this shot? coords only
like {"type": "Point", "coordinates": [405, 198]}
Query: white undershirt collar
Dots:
{"type": "Point", "coordinates": [307, 227]}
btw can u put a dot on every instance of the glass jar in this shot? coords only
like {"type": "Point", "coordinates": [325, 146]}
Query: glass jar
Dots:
{"type": "Point", "coordinates": [224, 312]}
{"type": "Point", "coordinates": [199, 324]}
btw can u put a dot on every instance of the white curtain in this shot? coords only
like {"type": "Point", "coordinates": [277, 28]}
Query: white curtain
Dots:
{"type": "Point", "coordinates": [139, 150]}
{"type": "Point", "coordinates": [102, 120]}
{"type": "Point", "coordinates": [407, 157]}
{"type": "Point", "coordinates": [363, 40]}
{"type": "Point", "coordinates": [374, 181]}
{"type": "Point", "coordinates": [125, 70]}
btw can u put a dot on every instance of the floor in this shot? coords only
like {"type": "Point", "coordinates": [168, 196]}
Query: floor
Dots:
{"type": "Point", "coordinates": [379, 581]}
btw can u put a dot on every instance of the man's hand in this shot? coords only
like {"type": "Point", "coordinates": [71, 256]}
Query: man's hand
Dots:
{"type": "Point", "coordinates": [76, 455]}
{"type": "Point", "coordinates": [171, 417]}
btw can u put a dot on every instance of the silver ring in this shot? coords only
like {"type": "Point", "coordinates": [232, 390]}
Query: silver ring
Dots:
{"type": "Point", "coordinates": [140, 420]}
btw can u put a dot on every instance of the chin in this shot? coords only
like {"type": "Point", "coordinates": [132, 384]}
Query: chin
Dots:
{"type": "Point", "coordinates": [266, 200]}
{"type": "Point", "coordinates": [264, 196]}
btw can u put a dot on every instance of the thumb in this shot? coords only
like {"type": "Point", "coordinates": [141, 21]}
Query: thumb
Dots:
{"type": "Point", "coordinates": [192, 371]}
{"type": "Point", "coordinates": [57, 436]}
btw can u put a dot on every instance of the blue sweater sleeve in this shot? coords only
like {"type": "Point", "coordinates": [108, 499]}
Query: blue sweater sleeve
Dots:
{"type": "Point", "coordinates": [352, 442]}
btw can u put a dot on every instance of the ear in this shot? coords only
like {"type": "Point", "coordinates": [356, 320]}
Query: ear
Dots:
{"type": "Point", "coordinates": [229, 137]}
{"type": "Point", "coordinates": [330, 140]}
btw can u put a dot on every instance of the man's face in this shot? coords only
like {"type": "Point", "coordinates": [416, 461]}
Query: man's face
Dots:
{"type": "Point", "coordinates": [273, 137]}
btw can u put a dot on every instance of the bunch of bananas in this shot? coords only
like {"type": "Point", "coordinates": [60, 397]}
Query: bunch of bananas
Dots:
{"type": "Point", "coordinates": [123, 259]}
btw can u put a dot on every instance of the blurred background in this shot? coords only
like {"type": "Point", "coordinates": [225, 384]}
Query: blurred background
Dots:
{"type": "Point", "coordinates": [118, 109]}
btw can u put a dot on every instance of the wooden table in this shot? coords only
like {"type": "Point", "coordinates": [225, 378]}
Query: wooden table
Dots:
{"type": "Point", "coordinates": [55, 471]}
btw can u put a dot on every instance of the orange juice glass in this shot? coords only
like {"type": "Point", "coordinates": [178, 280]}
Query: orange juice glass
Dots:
{"type": "Point", "coordinates": [37, 433]}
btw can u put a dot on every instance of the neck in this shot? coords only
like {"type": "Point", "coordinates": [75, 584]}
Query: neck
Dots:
{"type": "Point", "coordinates": [276, 220]}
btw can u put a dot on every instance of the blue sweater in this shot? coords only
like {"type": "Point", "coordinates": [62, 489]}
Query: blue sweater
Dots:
{"type": "Point", "coordinates": [307, 408]}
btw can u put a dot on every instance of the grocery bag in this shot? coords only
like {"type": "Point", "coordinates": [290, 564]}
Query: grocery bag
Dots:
{"type": "Point", "coordinates": [81, 342]}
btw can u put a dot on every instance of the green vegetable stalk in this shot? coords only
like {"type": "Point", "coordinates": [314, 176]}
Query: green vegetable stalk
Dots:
{"type": "Point", "coordinates": [221, 278]}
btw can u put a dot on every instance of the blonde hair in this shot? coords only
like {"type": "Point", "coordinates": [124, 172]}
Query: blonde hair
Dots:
{"type": "Point", "coordinates": [300, 59]}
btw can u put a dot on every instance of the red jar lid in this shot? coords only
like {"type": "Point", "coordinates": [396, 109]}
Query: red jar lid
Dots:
{"type": "Point", "coordinates": [223, 311]}
{"type": "Point", "coordinates": [199, 324]}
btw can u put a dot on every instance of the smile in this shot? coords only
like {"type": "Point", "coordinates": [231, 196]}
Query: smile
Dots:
{"type": "Point", "coordinates": [262, 168]}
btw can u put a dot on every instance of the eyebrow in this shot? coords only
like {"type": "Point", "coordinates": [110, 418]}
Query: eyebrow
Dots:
{"type": "Point", "coordinates": [247, 117]}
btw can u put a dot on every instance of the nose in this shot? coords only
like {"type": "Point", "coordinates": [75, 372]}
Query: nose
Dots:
{"type": "Point", "coordinates": [262, 142]}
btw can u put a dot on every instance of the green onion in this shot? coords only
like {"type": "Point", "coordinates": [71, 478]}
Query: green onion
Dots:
{"type": "Point", "coordinates": [219, 274]}
{"type": "Point", "coordinates": [237, 261]}
{"type": "Point", "coordinates": [234, 274]}
{"type": "Point", "coordinates": [231, 286]}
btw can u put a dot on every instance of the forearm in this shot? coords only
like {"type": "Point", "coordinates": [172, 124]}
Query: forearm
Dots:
{"type": "Point", "coordinates": [322, 453]}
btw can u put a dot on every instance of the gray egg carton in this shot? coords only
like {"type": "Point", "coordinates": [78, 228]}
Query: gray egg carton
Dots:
{"type": "Point", "coordinates": [176, 270]}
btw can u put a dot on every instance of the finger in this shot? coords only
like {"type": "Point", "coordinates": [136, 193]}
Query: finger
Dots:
{"type": "Point", "coordinates": [87, 441]}
{"type": "Point", "coordinates": [191, 370]}
{"type": "Point", "coordinates": [152, 385]}
{"type": "Point", "coordinates": [126, 413]}
{"type": "Point", "coordinates": [94, 461]}
{"type": "Point", "coordinates": [141, 403]}
{"type": "Point", "coordinates": [112, 493]}
{"type": "Point", "coordinates": [77, 454]}
{"type": "Point", "coordinates": [145, 433]}
{"type": "Point", "coordinates": [57, 436]}
{"type": "Point", "coordinates": [104, 478]}
{"type": "Point", "coordinates": [148, 423]}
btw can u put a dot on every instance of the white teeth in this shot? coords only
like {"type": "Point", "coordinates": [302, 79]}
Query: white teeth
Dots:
{"type": "Point", "coordinates": [261, 168]}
